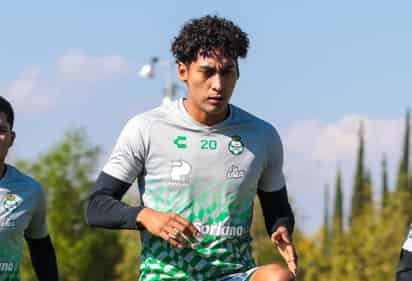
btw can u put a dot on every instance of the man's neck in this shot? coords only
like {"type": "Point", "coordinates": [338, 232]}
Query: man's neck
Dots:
{"type": "Point", "coordinates": [203, 117]}
{"type": "Point", "coordinates": [2, 170]}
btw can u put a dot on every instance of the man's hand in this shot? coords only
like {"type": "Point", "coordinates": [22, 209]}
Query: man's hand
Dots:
{"type": "Point", "coordinates": [169, 226]}
{"type": "Point", "coordinates": [283, 242]}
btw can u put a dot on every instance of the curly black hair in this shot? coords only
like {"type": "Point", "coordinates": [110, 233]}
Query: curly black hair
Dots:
{"type": "Point", "coordinates": [7, 109]}
{"type": "Point", "coordinates": [206, 35]}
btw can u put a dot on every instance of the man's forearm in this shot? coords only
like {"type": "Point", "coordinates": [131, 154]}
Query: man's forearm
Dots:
{"type": "Point", "coordinates": [43, 258]}
{"type": "Point", "coordinates": [105, 209]}
{"type": "Point", "coordinates": [276, 210]}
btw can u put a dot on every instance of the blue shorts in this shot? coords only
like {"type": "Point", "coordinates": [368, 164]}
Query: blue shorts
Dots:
{"type": "Point", "coordinates": [241, 276]}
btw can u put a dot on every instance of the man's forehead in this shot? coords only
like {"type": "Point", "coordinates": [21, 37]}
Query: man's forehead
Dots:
{"type": "Point", "coordinates": [213, 60]}
{"type": "Point", "coordinates": [3, 119]}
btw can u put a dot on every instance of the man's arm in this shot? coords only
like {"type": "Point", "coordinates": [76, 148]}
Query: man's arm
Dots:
{"type": "Point", "coordinates": [104, 208]}
{"type": "Point", "coordinates": [276, 210]}
{"type": "Point", "coordinates": [404, 272]}
{"type": "Point", "coordinates": [279, 222]}
{"type": "Point", "coordinates": [43, 258]}
{"type": "Point", "coordinates": [126, 163]}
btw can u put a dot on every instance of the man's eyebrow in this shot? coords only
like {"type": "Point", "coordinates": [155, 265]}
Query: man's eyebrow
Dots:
{"type": "Point", "coordinates": [228, 66]}
{"type": "Point", "coordinates": [207, 67]}
{"type": "Point", "coordinates": [224, 67]}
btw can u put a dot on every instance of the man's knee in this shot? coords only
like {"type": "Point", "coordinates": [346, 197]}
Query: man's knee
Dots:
{"type": "Point", "coordinates": [272, 272]}
{"type": "Point", "coordinates": [282, 274]}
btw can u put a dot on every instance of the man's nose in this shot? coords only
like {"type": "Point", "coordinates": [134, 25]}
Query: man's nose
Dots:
{"type": "Point", "coordinates": [217, 82]}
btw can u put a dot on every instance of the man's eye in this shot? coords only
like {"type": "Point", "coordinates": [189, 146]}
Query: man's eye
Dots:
{"type": "Point", "coordinates": [227, 71]}
{"type": "Point", "coordinates": [208, 73]}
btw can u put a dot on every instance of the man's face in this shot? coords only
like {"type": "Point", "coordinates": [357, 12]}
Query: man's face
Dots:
{"type": "Point", "coordinates": [6, 136]}
{"type": "Point", "coordinates": [210, 81]}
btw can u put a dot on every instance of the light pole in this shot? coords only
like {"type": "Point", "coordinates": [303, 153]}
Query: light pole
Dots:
{"type": "Point", "coordinates": [148, 72]}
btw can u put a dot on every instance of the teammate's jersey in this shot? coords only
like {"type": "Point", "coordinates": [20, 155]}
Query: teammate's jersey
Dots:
{"type": "Point", "coordinates": [22, 212]}
{"type": "Point", "coordinates": [208, 175]}
{"type": "Point", "coordinates": [407, 245]}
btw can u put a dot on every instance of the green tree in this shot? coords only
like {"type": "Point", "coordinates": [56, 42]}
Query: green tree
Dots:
{"type": "Point", "coordinates": [391, 232]}
{"type": "Point", "coordinates": [337, 222]}
{"type": "Point", "coordinates": [402, 182]}
{"type": "Point", "coordinates": [338, 256]}
{"type": "Point", "coordinates": [367, 194]}
{"type": "Point", "coordinates": [311, 259]}
{"type": "Point", "coordinates": [65, 170]}
{"type": "Point", "coordinates": [369, 249]}
{"type": "Point", "coordinates": [358, 189]}
{"type": "Point", "coordinates": [385, 187]}
{"type": "Point", "coordinates": [128, 266]}
{"type": "Point", "coordinates": [326, 226]}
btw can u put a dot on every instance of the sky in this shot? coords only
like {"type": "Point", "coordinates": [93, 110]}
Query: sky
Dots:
{"type": "Point", "coordinates": [315, 70]}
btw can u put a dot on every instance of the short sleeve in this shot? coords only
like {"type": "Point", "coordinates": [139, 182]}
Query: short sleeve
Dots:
{"type": "Point", "coordinates": [127, 158]}
{"type": "Point", "coordinates": [407, 245]}
{"type": "Point", "coordinates": [38, 225]}
{"type": "Point", "coordinates": [272, 178]}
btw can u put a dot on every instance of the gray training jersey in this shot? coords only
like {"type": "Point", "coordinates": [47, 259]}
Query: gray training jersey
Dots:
{"type": "Point", "coordinates": [208, 175]}
{"type": "Point", "coordinates": [22, 212]}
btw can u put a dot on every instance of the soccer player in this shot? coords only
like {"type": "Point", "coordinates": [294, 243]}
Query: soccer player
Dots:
{"type": "Point", "coordinates": [199, 163]}
{"type": "Point", "coordinates": [22, 213]}
{"type": "Point", "coordinates": [404, 272]}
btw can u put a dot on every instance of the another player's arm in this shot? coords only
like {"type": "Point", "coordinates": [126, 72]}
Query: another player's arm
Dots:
{"type": "Point", "coordinates": [43, 258]}
{"type": "Point", "coordinates": [42, 253]}
{"type": "Point", "coordinates": [404, 272]}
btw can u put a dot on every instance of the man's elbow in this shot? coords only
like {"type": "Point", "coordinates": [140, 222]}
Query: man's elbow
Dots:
{"type": "Point", "coordinates": [91, 211]}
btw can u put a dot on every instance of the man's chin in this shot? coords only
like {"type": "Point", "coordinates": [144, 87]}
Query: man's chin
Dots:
{"type": "Point", "coordinates": [216, 110]}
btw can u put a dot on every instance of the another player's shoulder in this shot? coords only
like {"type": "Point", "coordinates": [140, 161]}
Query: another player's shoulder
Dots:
{"type": "Point", "coordinates": [261, 126]}
{"type": "Point", "coordinates": [17, 178]}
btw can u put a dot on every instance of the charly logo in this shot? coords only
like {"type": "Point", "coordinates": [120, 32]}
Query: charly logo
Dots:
{"type": "Point", "coordinates": [180, 142]}
{"type": "Point", "coordinates": [235, 145]}
{"type": "Point", "coordinates": [11, 202]}
{"type": "Point", "coordinates": [235, 173]}
{"type": "Point", "coordinates": [180, 172]}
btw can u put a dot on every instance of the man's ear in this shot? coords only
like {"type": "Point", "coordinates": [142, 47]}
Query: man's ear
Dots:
{"type": "Point", "coordinates": [182, 71]}
{"type": "Point", "coordinates": [13, 137]}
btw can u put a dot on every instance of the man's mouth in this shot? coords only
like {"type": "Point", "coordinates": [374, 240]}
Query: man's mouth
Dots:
{"type": "Point", "coordinates": [215, 98]}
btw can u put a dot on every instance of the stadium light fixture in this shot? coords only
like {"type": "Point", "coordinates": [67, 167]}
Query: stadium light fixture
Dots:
{"type": "Point", "coordinates": [147, 71]}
